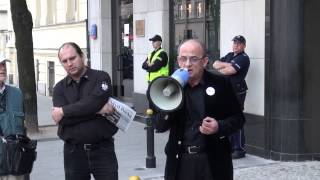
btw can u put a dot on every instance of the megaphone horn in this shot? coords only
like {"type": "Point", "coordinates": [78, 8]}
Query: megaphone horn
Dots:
{"type": "Point", "coordinates": [166, 92]}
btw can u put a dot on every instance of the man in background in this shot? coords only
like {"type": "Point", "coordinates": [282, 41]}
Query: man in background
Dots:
{"type": "Point", "coordinates": [236, 65]}
{"type": "Point", "coordinates": [11, 117]}
{"type": "Point", "coordinates": [157, 63]}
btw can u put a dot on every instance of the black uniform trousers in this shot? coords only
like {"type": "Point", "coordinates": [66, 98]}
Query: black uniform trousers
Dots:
{"type": "Point", "coordinates": [237, 139]}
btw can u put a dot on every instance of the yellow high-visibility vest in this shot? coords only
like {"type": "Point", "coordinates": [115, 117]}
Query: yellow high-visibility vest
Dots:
{"type": "Point", "coordinates": [164, 71]}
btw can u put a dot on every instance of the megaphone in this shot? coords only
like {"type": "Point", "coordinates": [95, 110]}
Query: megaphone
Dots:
{"type": "Point", "coordinates": [166, 92]}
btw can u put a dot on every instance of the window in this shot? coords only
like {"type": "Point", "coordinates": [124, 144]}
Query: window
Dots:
{"type": "Point", "coordinates": [188, 9]}
{"type": "Point", "coordinates": [178, 11]}
{"type": "Point", "coordinates": [199, 9]}
{"type": "Point", "coordinates": [51, 13]}
{"type": "Point", "coordinates": [199, 19]}
{"type": "Point", "coordinates": [71, 10]}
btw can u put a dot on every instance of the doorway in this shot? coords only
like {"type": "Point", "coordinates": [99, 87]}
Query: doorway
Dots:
{"type": "Point", "coordinates": [126, 46]}
{"type": "Point", "coordinates": [125, 56]}
{"type": "Point", "coordinates": [198, 19]}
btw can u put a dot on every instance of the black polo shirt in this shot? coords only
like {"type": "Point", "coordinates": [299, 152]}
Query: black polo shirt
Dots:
{"type": "Point", "coordinates": [80, 102]}
{"type": "Point", "coordinates": [195, 111]}
{"type": "Point", "coordinates": [240, 63]}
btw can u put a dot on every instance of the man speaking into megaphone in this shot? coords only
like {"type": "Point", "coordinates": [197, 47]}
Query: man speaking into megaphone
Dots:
{"type": "Point", "coordinates": [198, 147]}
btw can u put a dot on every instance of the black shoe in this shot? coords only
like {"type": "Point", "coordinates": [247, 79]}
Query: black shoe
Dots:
{"type": "Point", "coordinates": [238, 154]}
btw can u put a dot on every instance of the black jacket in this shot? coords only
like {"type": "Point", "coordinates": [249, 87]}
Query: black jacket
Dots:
{"type": "Point", "coordinates": [224, 107]}
{"type": "Point", "coordinates": [80, 103]}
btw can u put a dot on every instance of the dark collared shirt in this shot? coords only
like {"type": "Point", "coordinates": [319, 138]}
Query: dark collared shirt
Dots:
{"type": "Point", "coordinates": [80, 102]}
{"type": "Point", "coordinates": [194, 102]}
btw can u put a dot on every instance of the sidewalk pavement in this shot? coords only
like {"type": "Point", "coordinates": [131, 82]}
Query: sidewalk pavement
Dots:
{"type": "Point", "coordinates": [130, 149]}
{"type": "Point", "coordinates": [131, 153]}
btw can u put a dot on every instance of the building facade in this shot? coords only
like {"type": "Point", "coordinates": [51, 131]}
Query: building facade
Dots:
{"type": "Point", "coordinates": [7, 40]}
{"type": "Point", "coordinates": [54, 22]}
{"type": "Point", "coordinates": [281, 104]}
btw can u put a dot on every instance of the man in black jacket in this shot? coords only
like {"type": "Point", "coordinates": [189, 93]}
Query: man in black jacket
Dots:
{"type": "Point", "coordinates": [80, 103]}
{"type": "Point", "coordinates": [198, 145]}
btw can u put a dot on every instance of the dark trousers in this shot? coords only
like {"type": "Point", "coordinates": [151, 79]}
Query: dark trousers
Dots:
{"type": "Point", "coordinates": [80, 161]}
{"type": "Point", "coordinates": [237, 139]}
{"type": "Point", "coordinates": [194, 167]}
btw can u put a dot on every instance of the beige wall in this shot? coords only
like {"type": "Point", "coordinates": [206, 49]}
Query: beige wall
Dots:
{"type": "Point", "coordinates": [155, 13]}
{"type": "Point", "coordinates": [247, 17]}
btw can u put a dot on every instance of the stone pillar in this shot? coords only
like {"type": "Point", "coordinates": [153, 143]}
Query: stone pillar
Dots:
{"type": "Point", "coordinates": [286, 82]}
{"type": "Point", "coordinates": [99, 13]}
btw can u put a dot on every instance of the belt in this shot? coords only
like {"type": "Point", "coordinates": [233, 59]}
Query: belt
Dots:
{"type": "Point", "coordinates": [193, 149]}
{"type": "Point", "coordinates": [88, 146]}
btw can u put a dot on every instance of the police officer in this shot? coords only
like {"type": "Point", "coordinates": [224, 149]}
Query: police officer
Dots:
{"type": "Point", "coordinates": [157, 63]}
{"type": "Point", "coordinates": [236, 65]}
{"type": "Point", "coordinates": [80, 103]}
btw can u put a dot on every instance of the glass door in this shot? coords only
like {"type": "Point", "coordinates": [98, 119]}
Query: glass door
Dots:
{"type": "Point", "coordinates": [125, 64]}
{"type": "Point", "coordinates": [198, 19]}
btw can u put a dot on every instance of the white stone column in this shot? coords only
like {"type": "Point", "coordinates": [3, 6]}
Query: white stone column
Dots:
{"type": "Point", "coordinates": [248, 19]}
{"type": "Point", "coordinates": [99, 13]}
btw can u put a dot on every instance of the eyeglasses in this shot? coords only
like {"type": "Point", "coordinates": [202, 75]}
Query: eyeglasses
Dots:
{"type": "Point", "coordinates": [192, 59]}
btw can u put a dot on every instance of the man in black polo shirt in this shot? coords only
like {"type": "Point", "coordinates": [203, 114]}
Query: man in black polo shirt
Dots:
{"type": "Point", "coordinates": [236, 65]}
{"type": "Point", "coordinates": [80, 102]}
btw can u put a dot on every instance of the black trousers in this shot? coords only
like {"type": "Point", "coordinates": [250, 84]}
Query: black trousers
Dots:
{"type": "Point", "coordinates": [194, 167]}
{"type": "Point", "coordinates": [237, 139]}
{"type": "Point", "coordinates": [80, 161]}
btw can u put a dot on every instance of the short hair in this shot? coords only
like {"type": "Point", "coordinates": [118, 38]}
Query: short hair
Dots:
{"type": "Point", "coordinates": [74, 45]}
{"type": "Point", "coordinates": [203, 47]}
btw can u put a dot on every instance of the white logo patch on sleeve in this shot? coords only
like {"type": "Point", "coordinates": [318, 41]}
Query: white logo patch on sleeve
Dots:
{"type": "Point", "coordinates": [104, 86]}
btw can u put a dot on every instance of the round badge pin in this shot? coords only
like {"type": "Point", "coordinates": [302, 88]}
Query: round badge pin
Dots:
{"type": "Point", "coordinates": [210, 91]}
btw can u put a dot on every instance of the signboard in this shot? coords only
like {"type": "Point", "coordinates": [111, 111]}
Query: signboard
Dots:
{"type": "Point", "coordinates": [140, 29]}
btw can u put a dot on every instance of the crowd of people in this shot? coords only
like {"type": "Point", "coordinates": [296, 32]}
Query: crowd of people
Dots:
{"type": "Point", "coordinates": [206, 132]}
